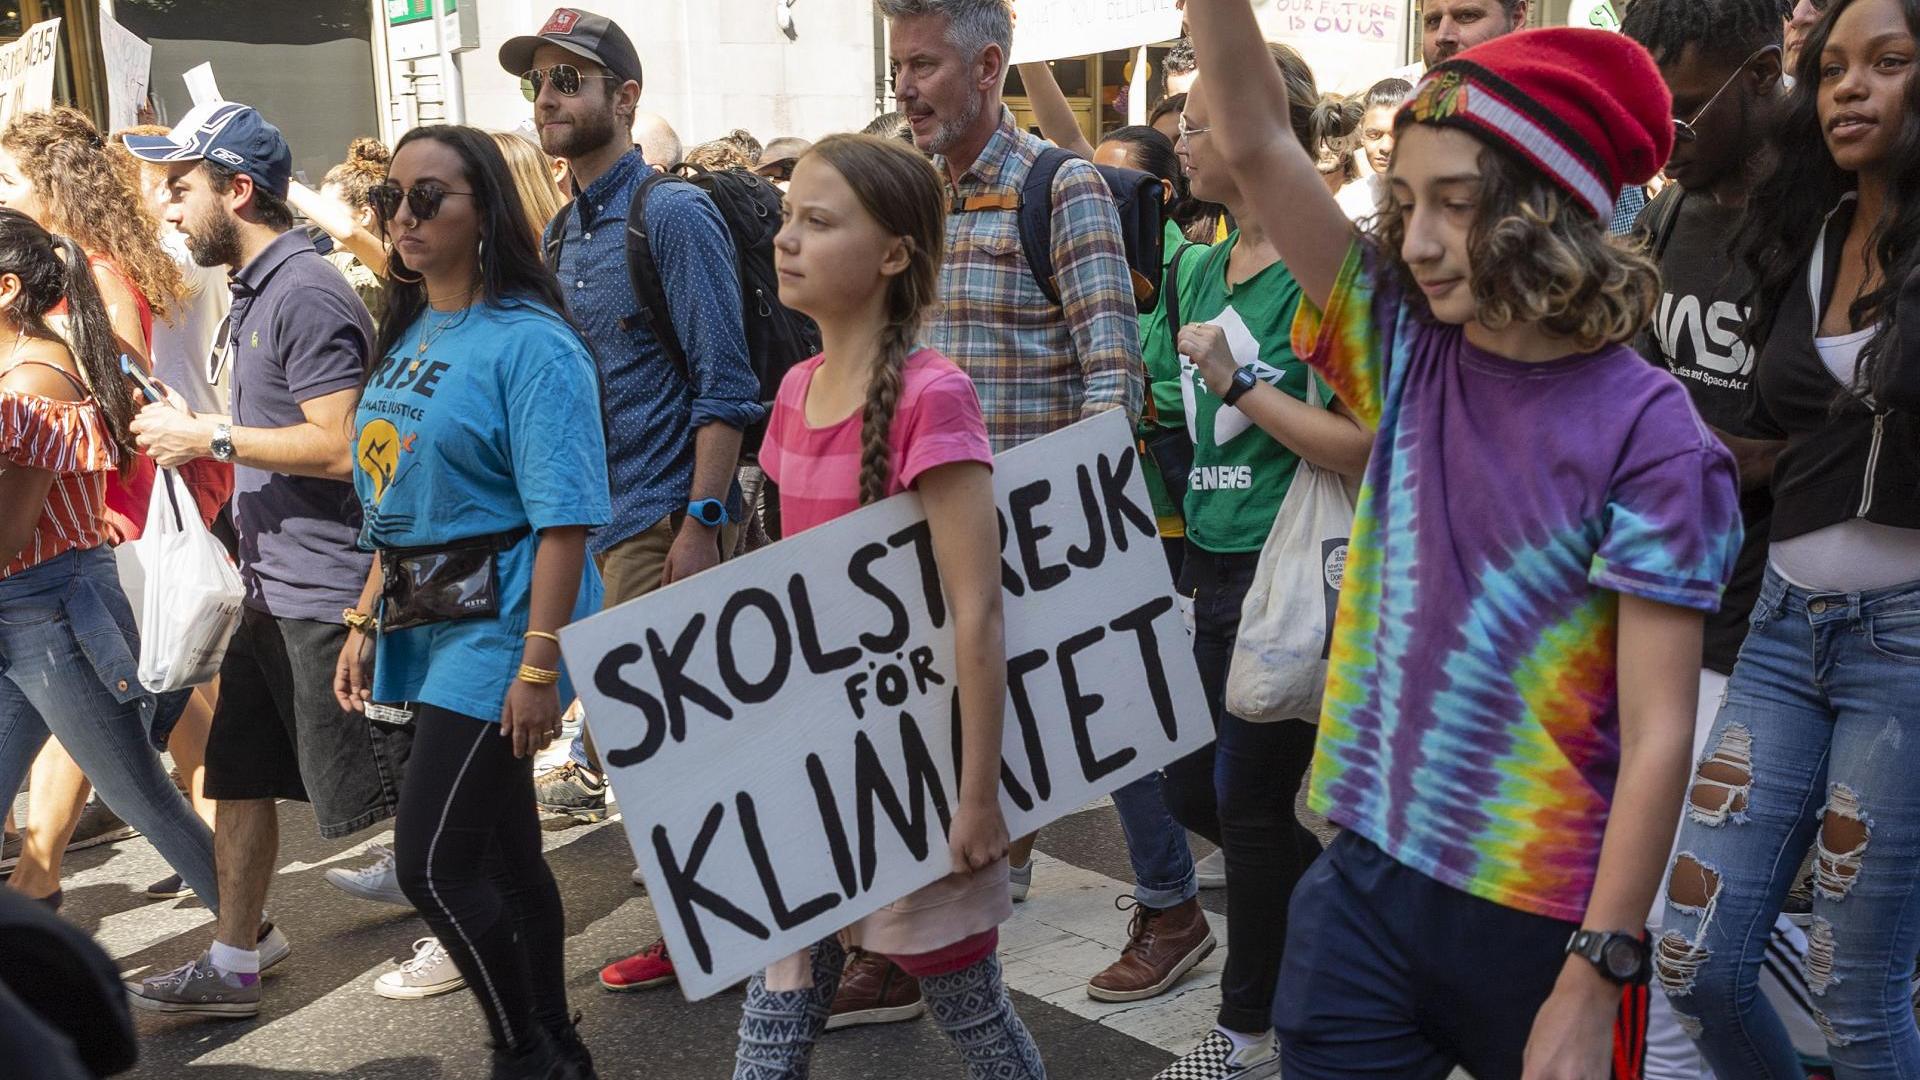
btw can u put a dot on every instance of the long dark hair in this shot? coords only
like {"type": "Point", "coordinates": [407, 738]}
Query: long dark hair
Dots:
{"type": "Point", "coordinates": [1788, 210]}
{"type": "Point", "coordinates": [51, 269]}
{"type": "Point", "coordinates": [898, 186]}
{"type": "Point", "coordinates": [511, 269]}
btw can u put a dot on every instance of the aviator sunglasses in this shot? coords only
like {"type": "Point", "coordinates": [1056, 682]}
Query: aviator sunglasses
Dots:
{"type": "Point", "coordinates": [423, 199]}
{"type": "Point", "coordinates": [566, 79]}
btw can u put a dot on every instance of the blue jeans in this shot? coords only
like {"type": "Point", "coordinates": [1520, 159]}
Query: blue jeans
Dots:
{"type": "Point", "coordinates": [1156, 844]}
{"type": "Point", "coordinates": [68, 668]}
{"type": "Point", "coordinates": [1810, 749]}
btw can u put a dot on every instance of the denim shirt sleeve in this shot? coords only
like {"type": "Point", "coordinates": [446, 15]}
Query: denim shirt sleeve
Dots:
{"type": "Point", "coordinates": [695, 255]}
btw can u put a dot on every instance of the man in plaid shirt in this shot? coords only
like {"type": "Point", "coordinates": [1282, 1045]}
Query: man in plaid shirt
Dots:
{"type": "Point", "coordinates": [1038, 366]}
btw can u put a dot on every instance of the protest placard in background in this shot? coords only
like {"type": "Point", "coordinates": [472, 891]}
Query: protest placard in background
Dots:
{"type": "Point", "coordinates": [779, 730]}
{"type": "Point", "coordinates": [129, 60]}
{"type": "Point", "coordinates": [1050, 29]}
{"type": "Point", "coordinates": [1351, 44]}
{"type": "Point", "coordinates": [26, 70]}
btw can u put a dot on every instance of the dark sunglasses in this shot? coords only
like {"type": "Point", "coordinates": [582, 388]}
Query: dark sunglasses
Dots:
{"type": "Point", "coordinates": [566, 79]}
{"type": "Point", "coordinates": [423, 199]}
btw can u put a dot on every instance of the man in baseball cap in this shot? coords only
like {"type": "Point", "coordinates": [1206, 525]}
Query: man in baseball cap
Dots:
{"type": "Point", "coordinates": [582, 33]}
{"type": "Point", "coordinates": [229, 134]}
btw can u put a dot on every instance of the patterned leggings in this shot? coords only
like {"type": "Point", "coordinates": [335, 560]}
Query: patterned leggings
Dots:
{"type": "Point", "coordinates": [778, 1028]}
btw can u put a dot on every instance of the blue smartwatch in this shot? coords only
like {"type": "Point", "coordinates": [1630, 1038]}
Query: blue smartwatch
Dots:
{"type": "Point", "coordinates": [709, 512]}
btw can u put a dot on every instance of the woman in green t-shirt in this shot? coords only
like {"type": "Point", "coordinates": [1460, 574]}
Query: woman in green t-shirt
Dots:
{"type": "Point", "coordinates": [1243, 399]}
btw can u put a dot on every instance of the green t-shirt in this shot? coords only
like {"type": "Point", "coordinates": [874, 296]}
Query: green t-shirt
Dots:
{"type": "Point", "coordinates": [1240, 473]}
{"type": "Point", "coordinates": [1163, 378]}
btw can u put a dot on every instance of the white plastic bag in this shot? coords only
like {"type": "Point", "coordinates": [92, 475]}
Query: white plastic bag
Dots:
{"type": "Point", "coordinates": [191, 604]}
{"type": "Point", "coordinates": [1279, 666]}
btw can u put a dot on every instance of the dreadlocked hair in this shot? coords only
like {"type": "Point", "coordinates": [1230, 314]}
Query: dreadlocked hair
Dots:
{"type": "Point", "coordinates": [899, 188]}
{"type": "Point", "coordinates": [1723, 30]}
{"type": "Point", "coordinates": [91, 197]}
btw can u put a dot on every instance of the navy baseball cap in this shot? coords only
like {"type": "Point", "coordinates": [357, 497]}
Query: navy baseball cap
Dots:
{"type": "Point", "coordinates": [582, 33]}
{"type": "Point", "coordinates": [226, 133]}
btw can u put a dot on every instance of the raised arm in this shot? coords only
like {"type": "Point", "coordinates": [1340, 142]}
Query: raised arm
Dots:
{"type": "Point", "coordinates": [1283, 189]}
{"type": "Point", "coordinates": [1050, 108]}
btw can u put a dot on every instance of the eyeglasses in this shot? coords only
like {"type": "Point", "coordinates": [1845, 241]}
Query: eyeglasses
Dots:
{"type": "Point", "coordinates": [1189, 132]}
{"type": "Point", "coordinates": [423, 199]}
{"type": "Point", "coordinates": [1684, 129]}
{"type": "Point", "coordinates": [566, 79]}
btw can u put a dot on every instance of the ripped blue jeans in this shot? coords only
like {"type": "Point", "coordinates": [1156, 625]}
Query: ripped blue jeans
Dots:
{"type": "Point", "coordinates": [1809, 750]}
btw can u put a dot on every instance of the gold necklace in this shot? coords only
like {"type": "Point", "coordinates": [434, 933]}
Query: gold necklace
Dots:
{"type": "Point", "coordinates": [431, 335]}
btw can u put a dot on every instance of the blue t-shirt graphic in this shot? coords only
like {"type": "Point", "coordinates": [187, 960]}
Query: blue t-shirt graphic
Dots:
{"type": "Point", "coordinates": [494, 425]}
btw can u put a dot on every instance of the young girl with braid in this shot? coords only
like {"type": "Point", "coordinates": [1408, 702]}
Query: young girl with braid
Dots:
{"type": "Point", "coordinates": [870, 417]}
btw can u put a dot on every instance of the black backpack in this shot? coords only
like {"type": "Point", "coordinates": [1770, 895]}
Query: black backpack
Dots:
{"type": "Point", "coordinates": [777, 336]}
{"type": "Point", "coordinates": [1137, 197]}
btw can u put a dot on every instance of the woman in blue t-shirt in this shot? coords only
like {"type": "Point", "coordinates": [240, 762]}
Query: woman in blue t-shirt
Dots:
{"type": "Point", "coordinates": [479, 458]}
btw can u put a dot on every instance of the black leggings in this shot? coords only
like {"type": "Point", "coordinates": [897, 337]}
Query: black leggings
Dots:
{"type": "Point", "coordinates": [1239, 792]}
{"type": "Point", "coordinates": [468, 845]}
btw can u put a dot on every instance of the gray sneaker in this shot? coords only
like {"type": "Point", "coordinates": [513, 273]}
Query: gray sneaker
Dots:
{"type": "Point", "coordinates": [99, 825]}
{"type": "Point", "coordinates": [1211, 872]}
{"type": "Point", "coordinates": [198, 989]}
{"type": "Point", "coordinates": [429, 973]}
{"type": "Point", "coordinates": [378, 881]}
{"type": "Point", "coordinates": [572, 791]}
{"type": "Point", "coordinates": [1019, 880]}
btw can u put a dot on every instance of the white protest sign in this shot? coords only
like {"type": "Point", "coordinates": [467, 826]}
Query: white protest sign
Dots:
{"type": "Point", "coordinates": [129, 59]}
{"type": "Point", "coordinates": [200, 84]}
{"type": "Point", "coordinates": [1351, 44]}
{"type": "Point", "coordinates": [780, 729]}
{"type": "Point", "coordinates": [26, 70]}
{"type": "Point", "coordinates": [1050, 29]}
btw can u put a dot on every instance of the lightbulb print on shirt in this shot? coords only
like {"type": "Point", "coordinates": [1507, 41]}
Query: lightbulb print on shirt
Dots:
{"type": "Point", "coordinates": [1229, 423]}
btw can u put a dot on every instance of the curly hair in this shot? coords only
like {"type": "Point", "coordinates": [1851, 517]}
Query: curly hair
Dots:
{"type": "Point", "coordinates": [717, 156]}
{"type": "Point", "coordinates": [1538, 256]}
{"type": "Point", "coordinates": [364, 170]}
{"type": "Point", "coordinates": [93, 199]}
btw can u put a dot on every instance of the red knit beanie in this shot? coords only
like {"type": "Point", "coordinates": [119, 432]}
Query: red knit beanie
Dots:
{"type": "Point", "coordinates": [1586, 107]}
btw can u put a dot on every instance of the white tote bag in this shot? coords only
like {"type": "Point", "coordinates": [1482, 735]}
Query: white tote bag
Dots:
{"type": "Point", "coordinates": [1279, 666]}
{"type": "Point", "coordinates": [191, 604]}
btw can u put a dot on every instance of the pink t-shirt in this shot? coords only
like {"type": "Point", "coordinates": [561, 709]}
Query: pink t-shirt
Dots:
{"type": "Point", "coordinates": [938, 422]}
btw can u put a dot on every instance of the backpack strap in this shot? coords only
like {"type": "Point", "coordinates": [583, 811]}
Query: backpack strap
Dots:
{"type": "Point", "coordinates": [554, 239]}
{"type": "Point", "coordinates": [1036, 218]}
{"type": "Point", "coordinates": [1170, 291]}
{"type": "Point", "coordinates": [1664, 221]}
{"type": "Point", "coordinates": [648, 289]}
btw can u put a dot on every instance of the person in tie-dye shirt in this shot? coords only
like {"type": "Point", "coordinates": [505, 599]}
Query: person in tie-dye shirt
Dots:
{"type": "Point", "coordinates": [1544, 521]}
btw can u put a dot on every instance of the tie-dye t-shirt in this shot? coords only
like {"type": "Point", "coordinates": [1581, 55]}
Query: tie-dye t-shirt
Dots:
{"type": "Point", "coordinates": [1471, 726]}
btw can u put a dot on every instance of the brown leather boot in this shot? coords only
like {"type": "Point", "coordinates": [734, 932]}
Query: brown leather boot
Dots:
{"type": "Point", "coordinates": [874, 991]}
{"type": "Point", "coordinates": [1163, 944]}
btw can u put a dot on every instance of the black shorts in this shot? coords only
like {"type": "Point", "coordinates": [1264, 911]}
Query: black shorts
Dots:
{"type": "Point", "coordinates": [278, 733]}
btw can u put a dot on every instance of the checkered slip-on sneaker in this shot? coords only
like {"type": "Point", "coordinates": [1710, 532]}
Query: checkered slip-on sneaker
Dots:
{"type": "Point", "coordinates": [1215, 1059]}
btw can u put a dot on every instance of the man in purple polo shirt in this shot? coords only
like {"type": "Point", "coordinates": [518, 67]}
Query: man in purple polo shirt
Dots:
{"type": "Point", "coordinates": [297, 341]}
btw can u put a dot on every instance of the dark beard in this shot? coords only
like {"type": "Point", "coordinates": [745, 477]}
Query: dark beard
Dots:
{"type": "Point", "coordinates": [216, 244]}
{"type": "Point", "coordinates": [585, 136]}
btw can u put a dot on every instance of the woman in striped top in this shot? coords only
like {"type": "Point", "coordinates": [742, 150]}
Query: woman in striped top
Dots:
{"type": "Point", "coordinates": [67, 639]}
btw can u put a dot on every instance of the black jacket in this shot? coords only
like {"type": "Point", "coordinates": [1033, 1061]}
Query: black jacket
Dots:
{"type": "Point", "coordinates": [1845, 458]}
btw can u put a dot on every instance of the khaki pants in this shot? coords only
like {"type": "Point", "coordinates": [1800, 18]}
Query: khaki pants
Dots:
{"type": "Point", "coordinates": [632, 568]}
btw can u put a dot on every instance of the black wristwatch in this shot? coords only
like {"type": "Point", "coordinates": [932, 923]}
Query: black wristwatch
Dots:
{"type": "Point", "coordinates": [1243, 381]}
{"type": "Point", "coordinates": [1622, 958]}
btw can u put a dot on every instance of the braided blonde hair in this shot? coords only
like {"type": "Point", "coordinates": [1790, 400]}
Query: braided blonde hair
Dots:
{"type": "Point", "coordinates": [900, 189]}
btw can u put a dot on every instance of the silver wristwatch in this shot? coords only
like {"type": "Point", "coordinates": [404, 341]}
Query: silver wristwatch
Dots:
{"type": "Point", "coordinates": [222, 442]}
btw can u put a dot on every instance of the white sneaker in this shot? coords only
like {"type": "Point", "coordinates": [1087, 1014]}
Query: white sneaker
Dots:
{"type": "Point", "coordinates": [1020, 880]}
{"type": "Point", "coordinates": [1211, 872]}
{"type": "Point", "coordinates": [430, 972]}
{"type": "Point", "coordinates": [378, 881]}
{"type": "Point", "coordinates": [1216, 1059]}
{"type": "Point", "coordinates": [273, 947]}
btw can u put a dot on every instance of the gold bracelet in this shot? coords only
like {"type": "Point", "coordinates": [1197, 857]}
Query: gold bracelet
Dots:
{"type": "Point", "coordinates": [359, 620]}
{"type": "Point", "coordinates": [555, 638]}
{"type": "Point", "coordinates": [538, 676]}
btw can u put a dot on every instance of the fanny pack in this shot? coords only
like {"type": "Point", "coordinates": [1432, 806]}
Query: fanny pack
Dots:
{"type": "Point", "coordinates": [420, 586]}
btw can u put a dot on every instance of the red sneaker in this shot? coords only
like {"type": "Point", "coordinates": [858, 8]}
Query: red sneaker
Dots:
{"type": "Point", "coordinates": [643, 970]}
